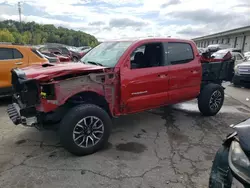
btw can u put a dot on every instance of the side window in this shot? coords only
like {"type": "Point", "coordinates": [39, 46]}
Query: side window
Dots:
{"type": "Point", "coordinates": [6, 53]}
{"type": "Point", "coordinates": [239, 57]}
{"type": "Point", "coordinates": [179, 53]}
{"type": "Point", "coordinates": [139, 49]}
{"type": "Point", "coordinates": [64, 50]}
{"type": "Point", "coordinates": [17, 54]}
{"type": "Point", "coordinates": [148, 55]}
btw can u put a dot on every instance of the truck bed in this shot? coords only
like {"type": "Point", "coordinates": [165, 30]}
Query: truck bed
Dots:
{"type": "Point", "coordinates": [218, 71]}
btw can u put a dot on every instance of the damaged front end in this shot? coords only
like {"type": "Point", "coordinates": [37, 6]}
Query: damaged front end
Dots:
{"type": "Point", "coordinates": [25, 98]}
{"type": "Point", "coordinates": [43, 98]}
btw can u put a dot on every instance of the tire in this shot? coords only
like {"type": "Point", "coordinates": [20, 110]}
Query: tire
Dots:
{"type": "Point", "coordinates": [71, 124]}
{"type": "Point", "coordinates": [211, 99]}
{"type": "Point", "coordinates": [221, 175]}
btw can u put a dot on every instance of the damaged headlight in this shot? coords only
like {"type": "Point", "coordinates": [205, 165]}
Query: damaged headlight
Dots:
{"type": "Point", "coordinates": [239, 162]}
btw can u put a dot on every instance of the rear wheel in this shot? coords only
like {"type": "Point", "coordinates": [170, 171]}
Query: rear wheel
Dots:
{"type": "Point", "coordinates": [85, 129]}
{"type": "Point", "coordinates": [211, 99]}
{"type": "Point", "coordinates": [221, 176]}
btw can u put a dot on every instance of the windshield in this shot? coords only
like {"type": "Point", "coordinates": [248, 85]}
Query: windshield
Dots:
{"type": "Point", "coordinates": [106, 54]}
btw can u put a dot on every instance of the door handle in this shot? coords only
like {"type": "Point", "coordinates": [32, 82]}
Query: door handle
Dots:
{"type": "Point", "coordinates": [194, 71]}
{"type": "Point", "coordinates": [162, 75]}
{"type": "Point", "coordinates": [18, 63]}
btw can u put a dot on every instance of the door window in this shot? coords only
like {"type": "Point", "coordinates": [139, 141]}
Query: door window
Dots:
{"type": "Point", "coordinates": [17, 54]}
{"type": "Point", "coordinates": [178, 53]}
{"type": "Point", "coordinates": [147, 55]}
{"type": "Point", "coordinates": [6, 53]}
{"type": "Point", "coordinates": [10, 53]}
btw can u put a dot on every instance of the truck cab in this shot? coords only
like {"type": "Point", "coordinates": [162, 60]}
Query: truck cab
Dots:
{"type": "Point", "coordinates": [115, 78]}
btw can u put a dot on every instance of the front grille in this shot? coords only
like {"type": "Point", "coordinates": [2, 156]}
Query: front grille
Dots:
{"type": "Point", "coordinates": [244, 70]}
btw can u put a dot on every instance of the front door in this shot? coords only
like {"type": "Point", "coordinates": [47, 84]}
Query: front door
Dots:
{"type": "Point", "coordinates": [184, 71]}
{"type": "Point", "coordinates": [144, 83]}
{"type": "Point", "coordinates": [10, 58]}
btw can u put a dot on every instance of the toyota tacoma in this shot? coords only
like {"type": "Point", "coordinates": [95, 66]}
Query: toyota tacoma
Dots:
{"type": "Point", "coordinates": [115, 78]}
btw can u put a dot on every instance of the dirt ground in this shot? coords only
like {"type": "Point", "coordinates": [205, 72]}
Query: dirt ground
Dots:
{"type": "Point", "coordinates": [167, 147]}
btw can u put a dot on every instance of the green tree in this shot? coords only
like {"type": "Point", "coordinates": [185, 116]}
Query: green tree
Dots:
{"type": "Point", "coordinates": [6, 36]}
{"type": "Point", "coordinates": [33, 33]}
{"type": "Point", "coordinates": [18, 37]}
{"type": "Point", "coordinates": [27, 37]}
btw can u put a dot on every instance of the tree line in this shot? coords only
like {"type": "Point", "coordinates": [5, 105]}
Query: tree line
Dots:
{"type": "Point", "coordinates": [35, 34]}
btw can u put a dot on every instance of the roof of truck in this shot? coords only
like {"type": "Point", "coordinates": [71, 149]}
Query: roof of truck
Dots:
{"type": "Point", "coordinates": [148, 39]}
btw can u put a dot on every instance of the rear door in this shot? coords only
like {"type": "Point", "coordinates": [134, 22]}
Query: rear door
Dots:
{"type": "Point", "coordinates": [144, 83]}
{"type": "Point", "coordinates": [184, 71]}
{"type": "Point", "coordinates": [10, 58]}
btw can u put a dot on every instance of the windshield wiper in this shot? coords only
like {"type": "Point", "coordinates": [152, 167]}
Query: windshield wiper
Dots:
{"type": "Point", "coordinates": [94, 63]}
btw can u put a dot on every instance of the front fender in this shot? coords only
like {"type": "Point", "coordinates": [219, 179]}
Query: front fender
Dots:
{"type": "Point", "coordinates": [230, 137]}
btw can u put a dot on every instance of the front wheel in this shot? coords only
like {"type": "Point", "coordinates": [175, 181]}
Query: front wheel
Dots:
{"type": "Point", "coordinates": [211, 99]}
{"type": "Point", "coordinates": [221, 176]}
{"type": "Point", "coordinates": [85, 129]}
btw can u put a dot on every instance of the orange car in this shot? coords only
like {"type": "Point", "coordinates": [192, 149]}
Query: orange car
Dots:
{"type": "Point", "coordinates": [16, 56]}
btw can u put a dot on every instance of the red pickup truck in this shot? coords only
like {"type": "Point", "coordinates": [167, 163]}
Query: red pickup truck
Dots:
{"type": "Point", "coordinates": [115, 78]}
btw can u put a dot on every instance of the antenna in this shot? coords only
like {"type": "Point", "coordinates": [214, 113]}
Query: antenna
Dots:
{"type": "Point", "coordinates": [19, 11]}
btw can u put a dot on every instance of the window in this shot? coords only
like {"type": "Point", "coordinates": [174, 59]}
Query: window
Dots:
{"type": "Point", "coordinates": [64, 50]}
{"type": "Point", "coordinates": [17, 54]}
{"type": "Point", "coordinates": [37, 52]}
{"type": "Point", "coordinates": [106, 54]}
{"type": "Point", "coordinates": [239, 57]}
{"type": "Point", "coordinates": [148, 55]}
{"type": "Point", "coordinates": [6, 53]}
{"type": "Point", "coordinates": [179, 53]}
{"type": "Point", "coordinates": [139, 49]}
{"type": "Point", "coordinates": [9, 53]}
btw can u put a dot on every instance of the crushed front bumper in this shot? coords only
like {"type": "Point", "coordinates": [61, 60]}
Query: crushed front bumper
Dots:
{"type": "Point", "coordinates": [16, 116]}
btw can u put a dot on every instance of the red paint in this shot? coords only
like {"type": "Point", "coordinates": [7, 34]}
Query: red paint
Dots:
{"type": "Point", "coordinates": [134, 89]}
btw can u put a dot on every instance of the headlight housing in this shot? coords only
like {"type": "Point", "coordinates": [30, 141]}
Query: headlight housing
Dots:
{"type": "Point", "coordinates": [236, 70]}
{"type": "Point", "coordinates": [239, 162]}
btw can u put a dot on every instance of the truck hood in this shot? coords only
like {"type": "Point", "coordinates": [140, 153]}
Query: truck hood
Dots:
{"type": "Point", "coordinates": [244, 63]}
{"type": "Point", "coordinates": [48, 71]}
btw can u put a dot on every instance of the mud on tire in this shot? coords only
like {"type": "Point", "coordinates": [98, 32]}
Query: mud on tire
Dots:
{"type": "Point", "coordinates": [85, 129]}
{"type": "Point", "coordinates": [211, 99]}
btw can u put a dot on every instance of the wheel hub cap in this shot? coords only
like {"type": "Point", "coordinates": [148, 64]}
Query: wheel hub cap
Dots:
{"type": "Point", "coordinates": [215, 100]}
{"type": "Point", "coordinates": [88, 131]}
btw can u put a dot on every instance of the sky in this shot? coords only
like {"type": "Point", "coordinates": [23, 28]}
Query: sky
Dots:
{"type": "Point", "coordinates": [119, 19]}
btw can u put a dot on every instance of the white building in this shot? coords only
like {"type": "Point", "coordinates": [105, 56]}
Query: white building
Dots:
{"type": "Point", "coordinates": [237, 38]}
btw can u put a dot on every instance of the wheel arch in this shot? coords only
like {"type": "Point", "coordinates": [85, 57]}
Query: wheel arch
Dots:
{"type": "Point", "coordinates": [92, 97]}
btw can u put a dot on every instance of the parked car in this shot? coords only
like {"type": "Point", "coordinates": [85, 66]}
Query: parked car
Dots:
{"type": "Point", "coordinates": [201, 50]}
{"type": "Point", "coordinates": [247, 55]}
{"type": "Point", "coordinates": [242, 74]}
{"type": "Point", "coordinates": [15, 56]}
{"type": "Point", "coordinates": [76, 56]}
{"type": "Point", "coordinates": [52, 58]}
{"type": "Point", "coordinates": [216, 47]}
{"type": "Point", "coordinates": [84, 48]}
{"type": "Point", "coordinates": [232, 159]}
{"type": "Point", "coordinates": [239, 58]}
{"type": "Point", "coordinates": [55, 52]}
{"type": "Point", "coordinates": [83, 97]}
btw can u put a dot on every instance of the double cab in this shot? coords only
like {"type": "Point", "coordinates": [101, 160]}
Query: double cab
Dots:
{"type": "Point", "coordinates": [115, 78]}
